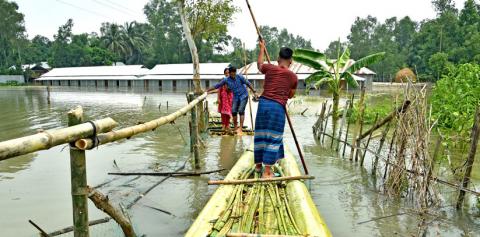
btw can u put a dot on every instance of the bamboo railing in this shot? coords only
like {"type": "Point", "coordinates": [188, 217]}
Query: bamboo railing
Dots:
{"type": "Point", "coordinates": [50, 138]}
{"type": "Point", "coordinates": [83, 136]}
{"type": "Point", "coordinates": [103, 138]}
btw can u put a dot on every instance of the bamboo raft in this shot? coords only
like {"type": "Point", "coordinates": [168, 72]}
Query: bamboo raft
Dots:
{"type": "Point", "coordinates": [260, 209]}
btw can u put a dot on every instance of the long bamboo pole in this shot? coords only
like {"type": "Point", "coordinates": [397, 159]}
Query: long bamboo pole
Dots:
{"type": "Point", "coordinates": [78, 173]}
{"type": "Point", "coordinates": [286, 112]}
{"type": "Point", "coordinates": [258, 29]}
{"type": "Point", "coordinates": [246, 76]}
{"type": "Point", "coordinates": [50, 138]}
{"type": "Point", "coordinates": [262, 180]}
{"type": "Point", "coordinates": [471, 157]}
{"type": "Point", "coordinates": [103, 138]}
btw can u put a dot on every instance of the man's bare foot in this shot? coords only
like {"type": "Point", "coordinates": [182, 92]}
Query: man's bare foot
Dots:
{"type": "Point", "coordinates": [267, 173]}
{"type": "Point", "coordinates": [258, 167]}
{"type": "Point", "coordinates": [239, 132]}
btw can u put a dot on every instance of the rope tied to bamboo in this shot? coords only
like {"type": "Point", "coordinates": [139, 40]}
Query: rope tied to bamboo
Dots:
{"type": "Point", "coordinates": [94, 136]}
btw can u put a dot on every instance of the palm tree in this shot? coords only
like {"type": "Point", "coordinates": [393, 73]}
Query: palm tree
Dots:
{"type": "Point", "coordinates": [331, 72]}
{"type": "Point", "coordinates": [135, 37]}
{"type": "Point", "coordinates": [114, 39]}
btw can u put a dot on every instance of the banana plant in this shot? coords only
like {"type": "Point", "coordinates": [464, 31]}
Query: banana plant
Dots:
{"type": "Point", "coordinates": [331, 72]}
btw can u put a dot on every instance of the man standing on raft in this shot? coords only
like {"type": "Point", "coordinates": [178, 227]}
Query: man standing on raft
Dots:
{"type": "Point", "coordinates": [280, 84]}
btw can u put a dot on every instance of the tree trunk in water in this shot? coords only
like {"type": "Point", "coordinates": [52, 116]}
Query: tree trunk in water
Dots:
{"type": "Point", "coordinates": [195, 60]}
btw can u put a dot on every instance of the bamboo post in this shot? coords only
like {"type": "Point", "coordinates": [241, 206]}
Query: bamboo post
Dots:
{"type": "Point", "coordinates": [389, 154]}
{"type": "Point", "coordinates": [324, 126]}
{"type": "Point", "coordinates": [348, 127]}
{"type": "Point", "coordinates": [368, 142]}
{"type": "Point", "coordinates": [471, 157]}
{"type": "Point", "coordinates": [78, 172]}
{"type": "Point", "coordinates": [342, 124]}
{"type": "Point", "coordinates": [317, 128]}
{"type": "Point", "coordinates": [358, 123]}
{"type": "Point", "coordinates": [377, 154]}
{"type": "Point", "coordinates": [194, 132]}
{"type": "Point", "coordinates": [48, 94]}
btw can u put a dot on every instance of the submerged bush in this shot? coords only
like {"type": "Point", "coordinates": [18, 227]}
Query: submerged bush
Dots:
{"type": "Point", "coordinates": [455, 98]}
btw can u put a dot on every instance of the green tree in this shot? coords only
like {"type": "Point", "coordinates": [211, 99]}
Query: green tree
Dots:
{"type": "Point", "coordinates": [115, 40]}
{"type": "Point", "coordinates": [12, 34]}
{"type": "Point", "coordinates": [455, 98]}
{"type": "Point", "coordinates": [439, 64]}
{"type": "Point", "coordinates": [331, 72]}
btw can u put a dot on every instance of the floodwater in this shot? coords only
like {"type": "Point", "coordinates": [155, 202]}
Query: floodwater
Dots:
{"type": "Point", "coordinates": [37, 186]}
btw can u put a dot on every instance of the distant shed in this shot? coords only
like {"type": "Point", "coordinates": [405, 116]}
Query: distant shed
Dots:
{"type": "Point", "coordinates": [97, 76]}
{"type": "Point", "coordinates": [179, 76]}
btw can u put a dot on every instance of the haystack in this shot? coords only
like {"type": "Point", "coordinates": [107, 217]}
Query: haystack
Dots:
{"type": "Point", "coordinates": [404, 75]}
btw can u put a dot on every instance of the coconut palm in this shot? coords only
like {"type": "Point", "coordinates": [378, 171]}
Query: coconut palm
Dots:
{"type": "Point", "coordinates": [331, 72]}
{"type": "Point", "coordinates": [135, 37]}
{"type": "Point", "coordinates": [114, 39]}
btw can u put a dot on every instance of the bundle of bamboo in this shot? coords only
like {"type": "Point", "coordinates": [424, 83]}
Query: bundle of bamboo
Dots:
{"type": "Point", "coordinates": [257, 208]}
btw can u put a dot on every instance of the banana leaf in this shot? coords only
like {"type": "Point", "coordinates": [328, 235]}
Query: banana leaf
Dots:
{"type": "Point", "coordinates": [308, 62]}
{"type": "Point", "coordinates": [365, 61]}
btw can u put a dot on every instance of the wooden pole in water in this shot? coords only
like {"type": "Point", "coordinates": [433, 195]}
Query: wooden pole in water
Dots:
{"type": "Point", "coordinates": [356, 130]}
{"type": "Point", "coordinates": [368, 142]}
{"type": "Point", "coordinates": [78, 172]}
{"type": "Point", "coordinates": [471, 157]}
{"type": "Point", "coordinates": [348, 127]}
{"type": "Point", "coordinates": [194, 132]}
{"type": "Point", "coordinates": [377, 154]}
{"type": "Point", "coordinates": [324, 129]}
{"type": "Point", "coordinates": [48, 94]}
{"type": "Point", "coordinates": [342, 124]}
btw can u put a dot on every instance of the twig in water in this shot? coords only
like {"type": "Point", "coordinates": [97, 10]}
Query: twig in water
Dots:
{"type": "Point", "coordinates": [42, 232]}
{"type": "Point", "coordinates": [382, 217]}
{"type": "Point", "coordinates": [158, 209]}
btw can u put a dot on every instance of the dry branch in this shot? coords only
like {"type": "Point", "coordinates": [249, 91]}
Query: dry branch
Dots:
{"type": "Point", "coordinates": [102, 203]}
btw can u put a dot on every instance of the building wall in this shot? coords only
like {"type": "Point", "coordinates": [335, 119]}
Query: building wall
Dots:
{"type": "Point", "coordinates": [167, 85]}
{"type": "Point", "coordinates": [123, 83]}
{"type": "Point", "coordinates": [183, 85]}
{"type": "Point", "coordinates": [112, 83]}
{"type": "Point", "coordinates": [17, 78]}
{"type": "Point", "coordinates": [138, 83]}
{"type": "Point", "coordinates": [64, 83]}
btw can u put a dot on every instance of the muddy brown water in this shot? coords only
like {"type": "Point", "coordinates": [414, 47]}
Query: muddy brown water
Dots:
{"type": "Point", "coordinates": [37, 186]}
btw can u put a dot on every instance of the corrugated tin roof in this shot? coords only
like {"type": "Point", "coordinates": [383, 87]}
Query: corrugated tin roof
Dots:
{"type": "Point", "coordinates": [187, 69]}
{"type": "Point", "coordinates": [88, 78]}
{"type": "Point", "coordinates": [130, 70]}
{"type": "Point", "coordinates": [181, 77]}
{"type": "Point", "coordinates": [300, 69]}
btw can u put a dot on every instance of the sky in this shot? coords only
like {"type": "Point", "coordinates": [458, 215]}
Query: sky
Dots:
{"type": "Point", "coordinates": [321, 21]}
